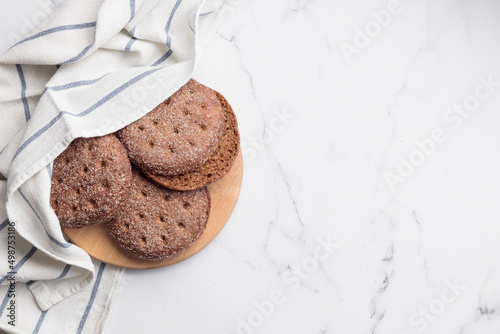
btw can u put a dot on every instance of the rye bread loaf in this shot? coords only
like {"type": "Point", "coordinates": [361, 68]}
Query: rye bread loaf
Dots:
{"type": "Point", "coordinates": [218, 165]}
{"type": "Point", "coordinates": [179, 135]}
{"type": "Point", "coordinates": [157, 223]}
{"type": "Point", "coordinates": [90, 180]}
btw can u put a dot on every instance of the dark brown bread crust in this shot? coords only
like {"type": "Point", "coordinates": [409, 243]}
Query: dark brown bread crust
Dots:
{"type": "Point", "coordinates": [156, 222]}
{"type": "Point", "coordinates": [90, 180]}
{"type": "Point", "coordinates": [179, 135]}
{"type": "Point", "coordinates": [220, 162]}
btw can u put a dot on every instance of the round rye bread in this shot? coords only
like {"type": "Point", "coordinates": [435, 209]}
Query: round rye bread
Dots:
{"type": "Point", "coordinates": [218, 165]}
{"type": "Point", "coordinates": [156, 223]}
{"type": "Point", "coordinates": [90, 180]}
{"type": "Point", "coordinates": [179, 135]}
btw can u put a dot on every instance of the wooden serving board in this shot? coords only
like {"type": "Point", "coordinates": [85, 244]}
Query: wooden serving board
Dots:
{"type": "Point", "coordinates": [97, 242]}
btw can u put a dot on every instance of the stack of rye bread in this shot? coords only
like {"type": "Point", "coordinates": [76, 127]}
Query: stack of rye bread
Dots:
{"type": "Point", "coordinates": [148, 181]}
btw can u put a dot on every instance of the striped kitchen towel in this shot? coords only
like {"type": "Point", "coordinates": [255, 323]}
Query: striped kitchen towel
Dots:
{"type": "Point", "coordinates": [93, 67]}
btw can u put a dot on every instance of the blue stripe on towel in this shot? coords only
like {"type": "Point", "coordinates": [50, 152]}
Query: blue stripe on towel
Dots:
{"type": "Point", "coordinates": [42, 315]}
{"type": "Point", "coordinates": [72, 84]}
{"type": "Point", "coordinates": [63, 273]}
{"type": "Point", "coordinates": [23, 92]}
{"type": "Point", "coordinates": [20, 263]}
{"type": "Point", "coordinates": [85, 112]}
{"type": "Point", "coordinates": [169, 40]}
{"type": "Point", "coordinates": [132, 9]}
{"type": "Point", "coordinates": [92, 297]}
{"type": "Point", "coordinates": [49, 171]}
{"type": "Point", "coordinates": [5, 300]}
{"type": "Point", "coordinates": [78, 56]}
{"type": "Point", "coordinates": [37, 134]}
{"type": "Point", "coordinates": [169, 22]}
{"type": "Point", "coordinates": [54, 240]}
{"type": "Point", "coordinates": [132, 32]}
{"type": "Point", "coordinates": [5, 223]}
{"type": "Point", "coordinates": [57, 29]}
{"type": "Point", "coordinates": [40, 322]}
{"type": "Point", "coordinates": [163, 58]}
{"type": "Point", "coordinates": [132, 40]}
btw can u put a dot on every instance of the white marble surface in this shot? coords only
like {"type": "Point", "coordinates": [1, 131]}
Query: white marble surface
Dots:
{"type": "Point", "coordinates": [370, 199]}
